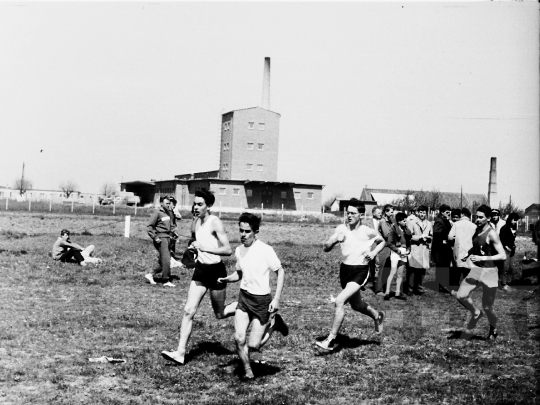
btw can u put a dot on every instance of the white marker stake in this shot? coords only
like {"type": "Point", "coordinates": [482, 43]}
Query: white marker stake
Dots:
{"type": "Point", "coordinates": [220, 209]}
{"type": "Point", "coordinates": [281, 212]}
{"type": "Point", "coordinates": [126, 230]}
{"type": "Point", "coordinates": [262, 213]}
{"type": "Point", "coordinates": [93, 205]}
{"type": "Point", "coordinates": [7, 199]}
{"type": "Point", "coordinates": [29, 204]}
{"type": "Point", "coordinates": [114, 208]}
{"type": "Point", "coordinates": [135, 208]}
{"type": "Point", "coordinates": [71, 205]}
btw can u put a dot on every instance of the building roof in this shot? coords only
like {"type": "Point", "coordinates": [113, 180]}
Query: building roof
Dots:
{"type": "Point", "coordinates": [250, 108]}
{"type": "Point", "coordinates": [532, 207]}
{"type": "Point", "coordinates": [386, 196]}
{"type": "Point", "coordinates": [140, 183]}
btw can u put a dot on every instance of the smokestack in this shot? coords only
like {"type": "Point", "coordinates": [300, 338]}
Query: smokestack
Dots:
{"type": "Point", "coordinates": [266, 85]}
{"type": "Point", "coordinates": [492, 188]}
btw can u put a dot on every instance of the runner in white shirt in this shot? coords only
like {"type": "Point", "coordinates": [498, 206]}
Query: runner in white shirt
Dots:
{"type": "Point", "coordinates": [211, 243]}
{"type": "Point", "coordinates": [356, 241]}
{"type": "Point", "coordinates": [254, 262]}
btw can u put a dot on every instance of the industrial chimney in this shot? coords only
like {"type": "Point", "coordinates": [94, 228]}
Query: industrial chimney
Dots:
{"type": "Point", "coordinates": [266, 85]}
{"type": "Point", "coordinates": [492, 188]}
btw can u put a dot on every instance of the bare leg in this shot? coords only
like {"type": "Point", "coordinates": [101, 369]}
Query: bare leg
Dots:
{"type": "Point", "coordinates": [343, 297]}
{"type": "Point", "coordinates": [217, 298]}
{"type": "Point", "coordinates": [399, 278]}
{"type": "Point", "coordinates": [393, 272]}
{"type": "Point", "coordinates": [488, 298]}
{"type": "Point", "coordinates": [464, 296]}
{"type": "Point", "coordinates": [195, 295]}
{"type": "Point", "coordinates": [241, 324]}
{"type": "Point", "coordinates": [359, 305]}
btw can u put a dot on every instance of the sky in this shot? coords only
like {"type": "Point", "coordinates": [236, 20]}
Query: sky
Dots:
{"type": "Point", "coordinates": [389, 95]}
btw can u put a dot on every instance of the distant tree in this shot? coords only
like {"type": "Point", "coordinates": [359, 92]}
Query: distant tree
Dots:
{"type": "Point", "coordinates": [477, 203]}
{"type": "Point", "coordinates": [406, 203]}
{"type": "Point", "coordinates": [510, 207]}
{"type": "Point", "coordinates": [22, 185]}
{"type": "Point", "coordinates": [68, 187]}
{"type": "Point", "coordinates": [109, 189]}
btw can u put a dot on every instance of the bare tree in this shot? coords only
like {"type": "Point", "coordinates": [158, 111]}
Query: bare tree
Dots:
{"type": "Point", "coordinates": [22, 185]}
{"type": "Point", "coordinates": [68, 187]}
{"type": "Point", "coordinates": [327, 204]}
{"type": "Point", "coordinates": [109, 189]}
{"type": "Point", "coordinates": [510, 207]}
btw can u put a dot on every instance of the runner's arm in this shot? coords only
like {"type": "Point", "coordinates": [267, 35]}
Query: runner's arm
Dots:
{"type": "Point", "coordinates": [225, 248]}
{"type": "Point", "coordinates": [231, 278]}
{"type": "Point", "coordinates": [274, 305]}
{"type": "Point", "coordinates": [333, 240]}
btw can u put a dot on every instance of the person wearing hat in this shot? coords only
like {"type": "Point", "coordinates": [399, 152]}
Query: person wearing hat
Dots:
{"type": "Point", "coordinates": [496, 222]}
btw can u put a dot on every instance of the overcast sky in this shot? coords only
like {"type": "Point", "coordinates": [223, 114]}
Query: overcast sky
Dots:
{"type": "Point", "coordinates": [393, 95]}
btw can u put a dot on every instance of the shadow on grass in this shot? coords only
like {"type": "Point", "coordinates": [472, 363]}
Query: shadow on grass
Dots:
{"type": "Point", "coordinates": [458, 334]}
{"type": "Point", "coordinates": [208, 348]}
{"type": "Point", "coordinates": [344, 342]}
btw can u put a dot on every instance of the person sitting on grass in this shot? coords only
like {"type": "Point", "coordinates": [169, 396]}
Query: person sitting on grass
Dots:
{"type": "Point", "coordinates": [399, 242]}
{"type": "Point", "coordinates": [356, 241]}
{"type": "Point", "coordinates": [66, 251]}
{"type": "Point", "coordinates": [487, 249]}
{"type": "Point", "coordinates": [254, 261]}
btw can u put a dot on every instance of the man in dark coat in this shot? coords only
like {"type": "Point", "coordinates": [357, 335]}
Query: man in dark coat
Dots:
{"type": "Point", "coordinates": [441, 248]}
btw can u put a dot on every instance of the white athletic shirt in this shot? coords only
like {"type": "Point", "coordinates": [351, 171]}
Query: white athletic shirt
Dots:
{"type": "Point", "coordinates": [206, 238]}
{"type": "Point", "coordinates": [255, 262]}
{"type": "Point", "coordinates": [353, 250]}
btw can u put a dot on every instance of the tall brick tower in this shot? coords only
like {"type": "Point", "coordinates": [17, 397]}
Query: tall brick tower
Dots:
{"type": "Point", "coordinates": [249, 140]}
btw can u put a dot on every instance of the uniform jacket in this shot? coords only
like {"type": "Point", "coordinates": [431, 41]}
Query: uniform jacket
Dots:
{"type": "Point", "coordinates": [441, 250]}
{"type": "Point", "coordinates": [160, 224]}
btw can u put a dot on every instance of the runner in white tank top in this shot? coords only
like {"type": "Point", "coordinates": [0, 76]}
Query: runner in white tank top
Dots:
{"type": "Point", "coordinates": [356, 242]}
{"type": "Point", "coordinates": [211, 243]}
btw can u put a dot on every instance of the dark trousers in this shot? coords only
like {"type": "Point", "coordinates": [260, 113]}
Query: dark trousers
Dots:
{"type": "Point", "coordinates": [442, 274]}
{"type": "Point", "coordinates": [384, 271]}
{"type": "Point", "coordinates": [172, 248]}
{"type": "Point", "coordinates": [455, 276]}
{"type": "Point", "coordinates": [164, 266]}
{"type": "Point", "coordinates": [413, 279]}
{"type": "Point", "coordinates": [505, 269]}
{"type": "Point", "coordinates": [72, 255]}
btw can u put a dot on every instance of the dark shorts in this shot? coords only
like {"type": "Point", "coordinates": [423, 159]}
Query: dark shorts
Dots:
{"type": "Point", "coordinates": [356, 274]}
{"type": "Point", "coordinates": [207, 274]}
{"type": "Point", "coordinates": [256, 306]}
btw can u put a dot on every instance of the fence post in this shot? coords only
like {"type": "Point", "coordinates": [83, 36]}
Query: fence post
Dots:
{"type": "Point", "coordinates": [127, 228]}
{"type": "Point", "coordinates": [93, 205]}
{"type": "Point", "coordinates": [281, 212]}
{"type": "Point", "coordinates": [135, 207]}
{"type": "Point", "coordinates": [71, 205]}
{"type": "Point", "coordinates": [323, 214]}
{"type": "Point", "coordinates": [262, 208]}
{"type": "Point", "coordinates": [29, 204]}
{"type": "Point", "coordinates": [50, 204]}
{"type": "Point", "coordinates": [7, 199]}
{"type": "Point", "coordinates": [220, 209]}
{"type": "Point", "coordinates": [114, 208]}
{"type": "Point", "coordinates": [527, 223]}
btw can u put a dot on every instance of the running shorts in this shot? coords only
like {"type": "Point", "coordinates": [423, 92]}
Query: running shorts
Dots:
{"type": "Point", "coordinates": [489, 276]}
{"type": "Point", "coordinates": [256, 306]}
{"type": "Point", "coordinates": [208, 274]}
{"type": "Point", "coordinates": [356, 274]}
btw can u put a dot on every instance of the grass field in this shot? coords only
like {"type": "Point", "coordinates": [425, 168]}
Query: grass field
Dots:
{"type": "Point", "coordinates": [53, 317]}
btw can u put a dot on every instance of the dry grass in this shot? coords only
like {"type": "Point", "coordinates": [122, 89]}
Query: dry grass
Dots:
{"type": "Point", "coordinates": [53, 317]}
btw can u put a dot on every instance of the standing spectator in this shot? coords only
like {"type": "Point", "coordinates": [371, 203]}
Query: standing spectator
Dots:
{"type": "Point", "coordinates": [385, 226]}
{"type": "Point", "coordinates": [160, 229]}
{"type": "Point", "coordinates": [419, 260]}
{"type": "Point", "coordinates": [441, 251]}
{"type": "Point", "coordinates": [399, 241]}
{"type": "Point", "coordinates": [455, 215]}
{"type": "Point", "coordinates": [508, 240]}
{"type": "Point", "coordinates": [373, 223]}
{"type": "Point", "coordinates": [496, 222]}
{"type": "Point", "coordinates": [175, 215]}
{"type": "Point", "coordinates": [461, 233]}
{"type": "Point", "coordinates": [412, 219]}
{"type": "Point", "coordinates": [67, 251]}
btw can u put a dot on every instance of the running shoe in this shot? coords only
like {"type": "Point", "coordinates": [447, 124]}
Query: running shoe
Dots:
{"type": "Point", "coordinates": [379, 323]}
{"type": "Point", "coordinates": [507, 288]}
{"type": "Point", "coordinates": [387, 297]}
{"type": "Point", "coordinates": [169, 284]}
{"type": "Point", "coordinates": [174, 357]}
{"type": "Point", "coordinates": [474, 320]}
{"type": "Point", "coordinates": [327, 344]}
{"type": "Point", "coordinates": [150, 278]}
{"type": "Point", "coordinates": [280, 325]}
{"type": "Point", "coordinates": [401, 297]}
{"type": "Point", "coordinates": [492, 335]}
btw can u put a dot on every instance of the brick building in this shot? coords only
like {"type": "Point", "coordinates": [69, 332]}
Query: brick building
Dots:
{"type": "Point", "coordinates": [248, 168]}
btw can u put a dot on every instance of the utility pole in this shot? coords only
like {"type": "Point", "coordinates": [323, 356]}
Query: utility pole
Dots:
{"type": "Point", "coordinates": [461, 201]}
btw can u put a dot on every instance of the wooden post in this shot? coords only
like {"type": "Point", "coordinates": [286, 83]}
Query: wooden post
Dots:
{"type": "Point", "coordinates": [126, 229]}
{"type": "Point", "coordinates": [323, 214]}
{"type": "Point", "coordinates": [93, 205]}
{"type": "Point", "coordinates": [135, 207]}
{"type": "Point", "coordinates": [29, 204]}
{"type": "Point", "coordinates": [220, 209]}
{"type": "Point", "coordinates": [50, 204]}
{"type": "Point", "coordinates": [71, 205]}
{"type": "Point", "coordinates": [281, 212]}
{"type": "Point", "coordinates": [262, 208]}
{"type": "Point", "coordinates": [7, 199]}
{"type": "Point", "coordinates": [527, 223]}
{"type": "Point", "coordinates": [114, 207]}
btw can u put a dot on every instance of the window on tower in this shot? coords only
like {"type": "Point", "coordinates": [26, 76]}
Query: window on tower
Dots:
{"type": "Point", "coordinates": [250, 146]}
{"type": "Point", "coordinates": [259, 168]}
{"type": "Point", "coordinates": [260, 146]}
{"type": "Point", "coordinates": [251, 125]}
{"type": "Point", "coordinates": [249, 166]}
{"type": "Point", "coordinates": [222, 190]}
{"type": "Point", "coordinates": [261, 126]}
{"type": "Point", "coordinates": [310, 196]}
